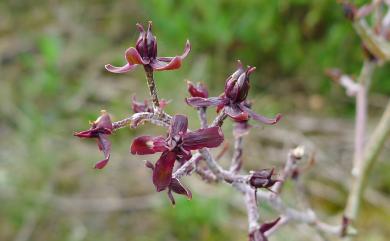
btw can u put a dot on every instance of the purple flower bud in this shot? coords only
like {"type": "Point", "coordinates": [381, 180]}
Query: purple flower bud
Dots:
{"type": "Point", "coordinates": [262, 179]}
{"type": "Point", "coordinates": [146, 44]}
{"type": "Point", "coordinates": [237, 85]}
{"type": "Point", "coordinates": [197, 91]}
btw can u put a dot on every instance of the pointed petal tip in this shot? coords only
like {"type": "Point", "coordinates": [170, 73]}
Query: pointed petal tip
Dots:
{"type": "Point", "coordinates": [101, 164]}
{"type": "Point", "coordinates": [119, 70]}
{"type": "Point", "coordinates": [250, 70]}
{"type": "Point", "coordinates": [140, 27]}
{"type": "Point", "coordinates": [278, 117]}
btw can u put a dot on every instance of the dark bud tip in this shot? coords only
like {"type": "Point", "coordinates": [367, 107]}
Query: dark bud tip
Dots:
{"type": "Point", "coordinates": [349, 10]}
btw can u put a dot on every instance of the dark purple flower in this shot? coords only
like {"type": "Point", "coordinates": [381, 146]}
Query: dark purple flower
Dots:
{"type": "Point", "coordinates": [138, 106]}
{"type": "Point", "coordinates": [262, 179]}
{"type": "Point", "coordinates": [145, 53]}
{"type": "Point", "coordinates": [177, 146]}
{"type": "Point", "coordinates": [100, 130]}
{"type": "Point", "coordinates": [197, 91]}
{"type": "Point", "coordinates": [232, 101]}
{"type": "Point", "coordinates": [175, 186]}
{"type": "Point", "coordinates": [259, 234]}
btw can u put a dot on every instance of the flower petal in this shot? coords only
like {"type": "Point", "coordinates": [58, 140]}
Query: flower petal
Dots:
{"type": "Point", "coordinates": [179, 125]}
{"type": "Point", "coordinates": [268, 225]}
{"type": "Point", "coordinates": [205, 102]}
{"type": "Point", "coordinates": [119, 70]}
{"type": "Point", "coordinates": [133, 57]}
{"type": "Point", "coordinates": [209, 137]}
{"type": "Point", "coordinates": [261, 118]}
{"type": "Point", "coordinates": [178, 188]}
{"type": "Point", "coordinates": [102, 125]}
{"type": "Point", "coordinates": [159, 65]}
{"type": "Point", "coordinates": [105, 146]}
{"type": "Point", "coordinates": [169, 63]}
{"type": "Point", "coordinates": [144, 145]}
{"type": "Point", "coordinates": [236, 113]}
{"type": "Point", "coordinates": [197, 91]}
{"type": "Point", "coordinates": [162, 173]}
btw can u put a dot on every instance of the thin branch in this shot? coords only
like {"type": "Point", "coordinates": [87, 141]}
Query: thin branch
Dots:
{"type": "Point", "coordinates": [291, 164]}
{"type": "Point", "coordinates": [202, 117]}
{"type": "Point", "coordinates": [361, 114]}
{"type": "Point", "coordinates": [252, 210]}
{"type": "Point", "coordinates": [236, 162]}
{"type": "Point", "coordinates": [372, 150]}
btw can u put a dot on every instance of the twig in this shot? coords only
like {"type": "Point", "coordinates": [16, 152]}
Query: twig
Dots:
{"type": "Point", "coordinates": [361, 114]}
{"type": "Point", "coordinates": [372, 150]}
{"type": "Point", "coordinates": [236, 162]}
{"type": "Point", "coordinates": [202, 117]}
{"type": "Point", "coordinates": [291, 163]}
{"type": "Point", "coordinates": [218, 121]}
{"type": "Point", "coordinates": [190, 164]}
{"type": "Point", "coordinates": [252, 210]}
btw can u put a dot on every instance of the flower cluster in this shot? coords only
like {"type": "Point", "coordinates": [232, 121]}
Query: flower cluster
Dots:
{"type": "Point", "coordinates": [177, 149]}
{"type": "Point", "coordinates": [233, 100]}
{"type": "Point", "coordinates": [177, 146]}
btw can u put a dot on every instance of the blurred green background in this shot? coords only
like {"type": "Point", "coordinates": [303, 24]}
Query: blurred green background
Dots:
{"type": "Point", "coordinates": [53, 81]}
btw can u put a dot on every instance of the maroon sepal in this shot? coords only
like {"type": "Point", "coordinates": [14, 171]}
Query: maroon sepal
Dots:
{"type": "Point", "coordinates": [162, 173]}
{"type": "Point", "coordinates": [176, 187]}
{"type": "Point", "coordinates": [197, 91]}
{"type": "Point", "coordinates": [144, 145]}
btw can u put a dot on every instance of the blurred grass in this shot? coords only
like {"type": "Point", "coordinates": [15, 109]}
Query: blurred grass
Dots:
{"type": "Point", "coordinates": [52, 82]}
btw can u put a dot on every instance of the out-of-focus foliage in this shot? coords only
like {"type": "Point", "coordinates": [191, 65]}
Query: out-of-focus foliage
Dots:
{"type": "Point", "coordinates": [52, 81]}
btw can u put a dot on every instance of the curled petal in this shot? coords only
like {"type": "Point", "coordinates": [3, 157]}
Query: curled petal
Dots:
{"type": "Point", "coordinates": [102, 125]}
{"type": "Point", "coordinates": [105, 146]}
{"type": "Point", "coordinates": [91, 133]}
{"type": "Point", "coordinates": [178, 188]}
{"type": "Point", "coordinates": [104, 121]}
{"type": "Point", "coordinates": [119, 70]}
{"type": "Point", "coordinates": [236, 113]}
{"type": "Point", "coordinates": [178, 126]}
{"type": "Point", "coordinates": [162, 173]}
{"type": "Point", "coordinates": [206, 102]}
{"type": "Point", "coordinates": [197, 91]}
{"type": "Point", "coordinates": [145, 145]}
{"type": "Point", "coordinates": [169, 63]}
{"type": "Point", "coordinates": [263, 119]}
{"type": "Point", "coordinates": [208, 137]}
{"type": "Point", "coordinates": [267, 226]}
{"type": "Point", "coordinates": [159, 65]}
{"type": "Point", "coordinates": [133, 59]}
